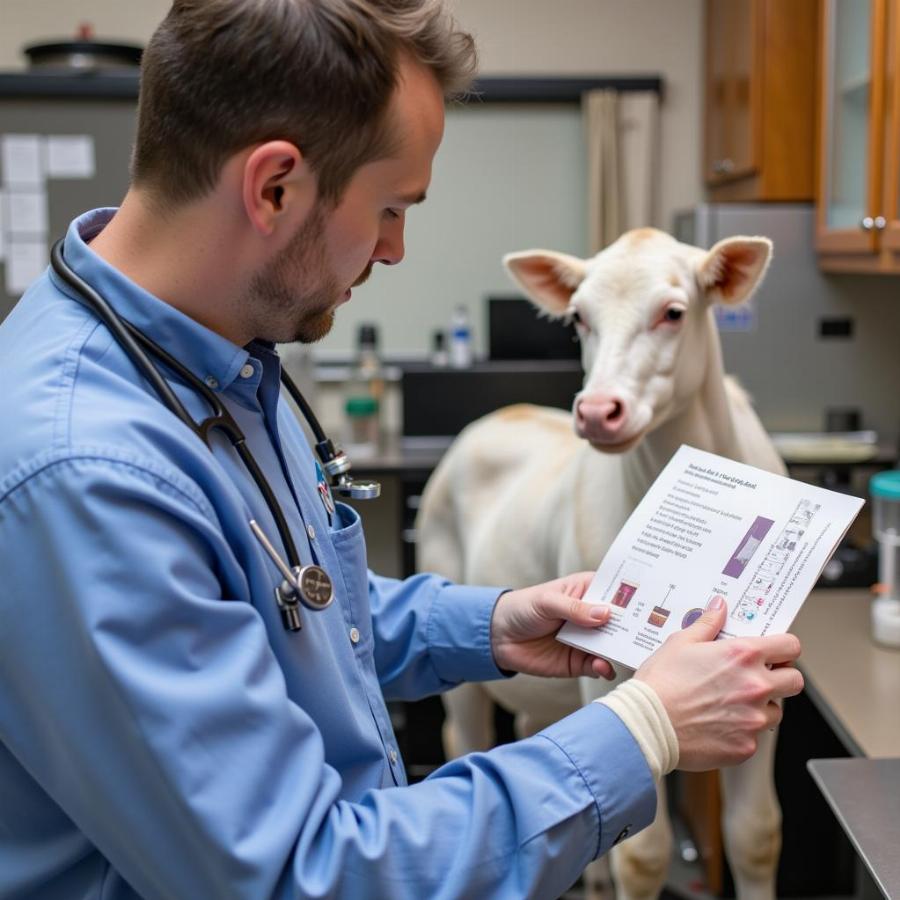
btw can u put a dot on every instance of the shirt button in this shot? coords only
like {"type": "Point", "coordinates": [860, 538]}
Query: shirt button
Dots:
{"type": "Point", "coordinates": [211, 382]}
{"type": "Point", "coordinates": [311, 532]}
{"type": "Point", "coordinates": [247, 371]}
{"type": "Point", "coordinates": [354, 635]}
{"type": "Point", "coordinates": [392, 756]}
{"type": "Point", "coordinates": [623, 834]}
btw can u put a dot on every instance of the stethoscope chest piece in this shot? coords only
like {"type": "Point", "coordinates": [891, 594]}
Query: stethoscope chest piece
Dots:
{"type": "Point", "coordinates": [316, 589]}
{"type": "Point", "coordinates": [309, 585]}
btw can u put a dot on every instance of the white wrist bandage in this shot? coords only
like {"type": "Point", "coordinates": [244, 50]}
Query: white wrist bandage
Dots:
{"type": "Point", "coordinates": [639, 707]}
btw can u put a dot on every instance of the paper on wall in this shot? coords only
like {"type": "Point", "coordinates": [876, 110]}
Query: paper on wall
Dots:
{"type": "Point", "coordinates": [26, 213]}
{"type": "Point", "coordinates": [70, 156]}
{"type": "Point", "coordinates": [25, 261]}
{"type": "Point", "coordinates": [22, 160]}
{"type": "Point", "coordinates": [709, 526]}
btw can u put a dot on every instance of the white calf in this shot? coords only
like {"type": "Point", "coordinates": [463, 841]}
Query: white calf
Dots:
{"type": "Point", "coordinates": [521, 497]}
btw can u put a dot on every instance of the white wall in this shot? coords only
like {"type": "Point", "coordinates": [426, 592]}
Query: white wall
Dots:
{"type": "Point", "coordinates": [514, 36]}
{"type": "Point", "coordinates": [618, 37]}
{"type": "Point", "coordinates": [454, 243]}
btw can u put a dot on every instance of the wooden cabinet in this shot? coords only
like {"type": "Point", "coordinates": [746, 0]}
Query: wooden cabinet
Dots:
{"type": "Point", "coordinates": [761, 67]}
{"type": "Point", "coordinates": [858, 218]}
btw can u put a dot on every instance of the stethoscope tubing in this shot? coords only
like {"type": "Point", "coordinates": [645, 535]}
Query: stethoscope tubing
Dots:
{"type": "Point", "coordinates": [134, 342]}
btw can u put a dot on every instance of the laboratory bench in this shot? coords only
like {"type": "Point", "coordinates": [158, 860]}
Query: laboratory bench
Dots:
{"type": "Point", "coordinates": [855, 684]}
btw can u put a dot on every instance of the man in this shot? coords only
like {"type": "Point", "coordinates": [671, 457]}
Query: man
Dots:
{"type": "Point", "coordinates": [161, 733]}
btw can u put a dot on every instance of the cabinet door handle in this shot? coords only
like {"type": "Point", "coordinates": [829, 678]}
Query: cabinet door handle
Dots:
{"type": "Point", "coordinates": [723, 166]}
{"type": "Point", "coordinates": [880, 223]}
{"type": "Point", "coordinates": [867, 223]}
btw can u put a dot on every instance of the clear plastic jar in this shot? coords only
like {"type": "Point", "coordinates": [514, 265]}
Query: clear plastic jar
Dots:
{"type": "Point", "coordinates": [362, 426]}
{"type": "Point", "coordinates": [885, 490]}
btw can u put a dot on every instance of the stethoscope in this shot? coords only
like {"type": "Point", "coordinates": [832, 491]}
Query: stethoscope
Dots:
{"type": "Point", "coordinates": [310, 584]}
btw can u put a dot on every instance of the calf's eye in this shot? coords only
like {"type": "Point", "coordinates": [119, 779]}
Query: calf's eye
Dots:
{"type": "Point", "coordinates": [673, 314]}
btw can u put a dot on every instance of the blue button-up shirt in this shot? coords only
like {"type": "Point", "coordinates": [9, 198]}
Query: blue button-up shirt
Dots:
{"type": "Point", "coordinates": [161, 733]}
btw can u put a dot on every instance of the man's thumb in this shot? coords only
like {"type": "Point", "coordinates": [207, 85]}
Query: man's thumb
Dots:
{"type": "Point", "coordinates": [710, 623]}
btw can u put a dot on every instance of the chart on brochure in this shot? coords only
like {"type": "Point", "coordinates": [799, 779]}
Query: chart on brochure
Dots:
{"type": "Point", "coordinates": [709, 526]}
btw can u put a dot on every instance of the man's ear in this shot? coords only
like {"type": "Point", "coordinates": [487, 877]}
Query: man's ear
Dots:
{"type": "Point", "coordinates": [733, 268]}
{"type": "Point", "coordinates": [548, 278]}
{"type": "Point", "coordinates": [277, 186]}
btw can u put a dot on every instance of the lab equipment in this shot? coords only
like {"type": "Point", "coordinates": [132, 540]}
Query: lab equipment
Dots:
{"type": "Point", "coordinates": [885, 490]}
{"type": "Point", "coordinates": [460, 339]}
{"type": "Point", "coordinates": [309, 585]}
{"type": "Point", "coordinates": [362, 436]}
{"type": "Point", "coordinates": [364, 396]}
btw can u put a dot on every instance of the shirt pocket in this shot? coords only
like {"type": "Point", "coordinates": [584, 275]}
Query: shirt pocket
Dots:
{"type": "Point", "coordinates": [349, 544]}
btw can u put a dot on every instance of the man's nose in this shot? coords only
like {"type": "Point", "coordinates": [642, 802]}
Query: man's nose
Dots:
{"type": "Point", "coordinates": [390, 248]}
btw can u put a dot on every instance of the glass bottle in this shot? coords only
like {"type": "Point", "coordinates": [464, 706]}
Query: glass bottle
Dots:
{"type": "Point", "coordinates": [364, 397]}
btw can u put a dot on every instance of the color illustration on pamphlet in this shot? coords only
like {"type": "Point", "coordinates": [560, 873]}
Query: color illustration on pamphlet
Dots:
{"type": "Point", "coordinates": [698, 533]}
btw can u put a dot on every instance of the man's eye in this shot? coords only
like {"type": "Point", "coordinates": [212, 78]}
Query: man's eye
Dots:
{"type": "Point", "coordinates": [392, 214]}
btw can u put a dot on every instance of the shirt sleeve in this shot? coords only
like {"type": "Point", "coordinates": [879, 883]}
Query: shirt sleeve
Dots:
{"type": "Point", "coordinates": [156, 717]}
{"type": "Point", "coordinates": [430, 634]}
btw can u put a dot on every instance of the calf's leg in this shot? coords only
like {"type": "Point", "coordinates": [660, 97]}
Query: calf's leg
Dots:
{"type": "Point", "coordinates": [752, 822]}
{"type": "Point", "coordinates": [468, 720]}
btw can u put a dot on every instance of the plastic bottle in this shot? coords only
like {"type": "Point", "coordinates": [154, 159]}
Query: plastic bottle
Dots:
{"type": "Point", "coordinates": [439, 356]}
{"type": "Point", "coordinates": [885, 491]}
{"type": "Point", "coordinates": [460, 339]}
{"type": "Point", "coordinates": [364, 397]}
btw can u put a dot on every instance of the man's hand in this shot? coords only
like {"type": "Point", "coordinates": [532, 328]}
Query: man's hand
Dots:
{"type": "Point", "coordinates": [720, 694]}
{"type": "Point", "coordinates": [525, 622]}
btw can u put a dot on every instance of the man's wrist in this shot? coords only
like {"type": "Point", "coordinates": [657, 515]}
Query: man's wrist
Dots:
{"type": "Point", "coordinates": [507, 673]}
{"type": "Point", "coordinates": [642, 712]}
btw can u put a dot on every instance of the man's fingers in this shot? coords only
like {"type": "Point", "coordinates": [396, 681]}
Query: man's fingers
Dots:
{"type": "Point", "coordinates": [602, 668]}
{"type": "Point", "coordinates": [773, 712]}
{"type": "Point", "coordinates": [776, 649]}
{"type": "Point", "coordinates": [786, 682]}
{"type": "Point", "coordinates": [576, 585]}
{"type": "Point", "coordinates": [592, 666]}
{"type": "Point", "coordinates": [709, 624]}
{"type": "Point", "coordinates": [571, 609]}
{"type": "Point", "coordinates": [784, 648]}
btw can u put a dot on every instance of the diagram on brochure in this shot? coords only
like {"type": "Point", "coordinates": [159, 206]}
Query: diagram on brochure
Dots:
{"type": "Point", "coordinates": [710, 526]}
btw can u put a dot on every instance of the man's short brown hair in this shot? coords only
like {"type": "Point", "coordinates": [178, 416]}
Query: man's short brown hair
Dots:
{"type": "Point", "coordinates": [222, 75]}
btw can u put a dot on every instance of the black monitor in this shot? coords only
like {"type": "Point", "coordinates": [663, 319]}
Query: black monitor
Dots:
{"type": "Point", "coordinates": [518, 330]}
{"type": "Point", "coordinates": [440, 402]}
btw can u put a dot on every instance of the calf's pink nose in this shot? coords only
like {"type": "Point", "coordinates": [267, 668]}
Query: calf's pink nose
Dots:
{"type": "Point", "coordinates": [602, 413]}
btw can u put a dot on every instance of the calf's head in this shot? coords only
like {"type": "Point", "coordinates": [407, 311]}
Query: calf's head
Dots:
{"type": "Point", "coordinates": [642, 309]}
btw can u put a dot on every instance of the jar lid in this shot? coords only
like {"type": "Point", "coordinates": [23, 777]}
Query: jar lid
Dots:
{"type": "Point", "coordinates": [886, 485]}
{"type": "Point", "coordinates": [361, 406]}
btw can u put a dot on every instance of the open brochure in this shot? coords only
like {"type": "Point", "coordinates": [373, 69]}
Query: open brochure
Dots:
{"type": "Point", "coordinates": [711, 526]}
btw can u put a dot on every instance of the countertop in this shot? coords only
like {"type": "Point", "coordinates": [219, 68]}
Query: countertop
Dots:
{"type": "Point", "coordinates": [865, 796]}
{"type": "Point", "coordinates": [854, 682]}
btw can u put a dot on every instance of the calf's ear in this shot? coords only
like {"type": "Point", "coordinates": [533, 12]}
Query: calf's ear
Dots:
{"type": "Point", "coordinates": [733, 268]}
{"type": "Point", "coordinates": [548, 278]}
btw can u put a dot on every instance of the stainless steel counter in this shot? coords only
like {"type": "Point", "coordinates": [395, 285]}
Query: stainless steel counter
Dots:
{"type": "Point", "coordinates": [865, 797]}
{"type": "Point", "coordinates": [856, 685]}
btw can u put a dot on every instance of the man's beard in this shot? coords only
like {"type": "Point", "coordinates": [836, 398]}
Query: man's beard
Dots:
{"type": "Point", "coordinates": [282, 310]}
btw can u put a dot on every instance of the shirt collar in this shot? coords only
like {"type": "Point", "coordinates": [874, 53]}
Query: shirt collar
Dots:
{"type": "Point", "coordinates": [209, 356]}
